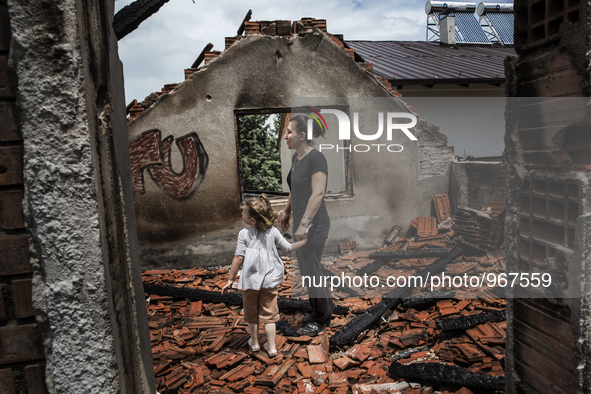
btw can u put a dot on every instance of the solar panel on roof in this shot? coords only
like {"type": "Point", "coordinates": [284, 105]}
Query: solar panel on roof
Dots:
{"type": "Point", "coordinates": [503, 24]}
{"type": "Point", "coordinates": [470, 29]}
{"type": "Point", "coordinates": [499, 21]}
{"type": "Point", "coordinates": [467, 28]}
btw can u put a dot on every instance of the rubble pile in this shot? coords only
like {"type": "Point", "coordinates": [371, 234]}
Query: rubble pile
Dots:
{"type": "Point", "coordinates": [441, 341]}
{"type": "Point", "coordinates": [483, 229]}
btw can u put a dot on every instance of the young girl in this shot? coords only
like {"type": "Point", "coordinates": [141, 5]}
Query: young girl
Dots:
{"type": "Point", "coordinates": [262, 269]}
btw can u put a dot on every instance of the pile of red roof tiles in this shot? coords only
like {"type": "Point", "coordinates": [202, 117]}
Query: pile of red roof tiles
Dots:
{"type": "Point", "coordinates": [200, 347]}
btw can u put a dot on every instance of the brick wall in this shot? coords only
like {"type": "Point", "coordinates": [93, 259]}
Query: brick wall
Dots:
{"type": "Point", "coordinates": [22, 369]}
{"type": "Point", "coordinates": [547, 161]}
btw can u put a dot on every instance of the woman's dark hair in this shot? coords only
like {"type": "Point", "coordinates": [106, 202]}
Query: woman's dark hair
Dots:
{"type": "Point", "coordinates": [301, 126]}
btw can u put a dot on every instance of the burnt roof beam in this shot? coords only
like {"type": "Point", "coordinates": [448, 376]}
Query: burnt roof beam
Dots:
{"type": "Point", "coordinates": [129, 17]}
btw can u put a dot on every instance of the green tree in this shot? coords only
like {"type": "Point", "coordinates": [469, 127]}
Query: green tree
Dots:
{"type": "Point", "coordinates": [261, 159]}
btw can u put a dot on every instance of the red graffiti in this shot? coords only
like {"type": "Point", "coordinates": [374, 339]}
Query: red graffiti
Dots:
{"type": "Point", "coordinates": [147, 152]}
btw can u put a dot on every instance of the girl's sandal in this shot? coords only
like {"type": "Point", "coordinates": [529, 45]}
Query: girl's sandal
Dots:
{"type": "Point", "coordinates": [253, 349]}
{"type": "Point", "coordinates": [271, 353]}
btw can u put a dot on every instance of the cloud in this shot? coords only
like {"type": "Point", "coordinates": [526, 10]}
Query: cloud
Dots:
{"type": "Point", "coordinates": [158, 51]}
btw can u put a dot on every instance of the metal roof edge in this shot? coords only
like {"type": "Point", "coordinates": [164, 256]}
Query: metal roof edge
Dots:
{"type": "Point", "coordinates": [446, 81]}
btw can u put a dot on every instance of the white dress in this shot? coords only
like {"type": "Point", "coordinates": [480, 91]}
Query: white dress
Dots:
{"type": "Point", "coordinates": [262, 267]}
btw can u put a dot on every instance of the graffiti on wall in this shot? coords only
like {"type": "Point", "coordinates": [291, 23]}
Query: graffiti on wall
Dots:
{"type": "Point", "coordinates": [149, 152]}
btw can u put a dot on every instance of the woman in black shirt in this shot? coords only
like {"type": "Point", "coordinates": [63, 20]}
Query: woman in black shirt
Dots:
{"type": "Point", "coordinates": [307, 183]}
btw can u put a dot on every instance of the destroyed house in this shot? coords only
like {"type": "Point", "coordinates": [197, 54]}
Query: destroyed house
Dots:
{"type": "Point", "coordinates": [194, 215]}
{"type": "Point", "coordinates": [72, 306]}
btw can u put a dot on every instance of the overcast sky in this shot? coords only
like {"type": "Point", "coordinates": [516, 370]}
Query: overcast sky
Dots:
{"type": "Point", "coordinates": [159, 50]}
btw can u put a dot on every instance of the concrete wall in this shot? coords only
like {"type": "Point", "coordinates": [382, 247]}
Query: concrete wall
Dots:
{"type": "Point", "coordinates": [549, 197]}
{"type": "Point", "coordinates": [474, 184]}
{"type": "Point", "coordinates": [265, 72]}
{"type": "Point", "coordinates": [87, 292]}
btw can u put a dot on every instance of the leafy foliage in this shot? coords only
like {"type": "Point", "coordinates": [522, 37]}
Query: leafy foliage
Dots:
{"type": "Point", "coordinates": [261, 159]}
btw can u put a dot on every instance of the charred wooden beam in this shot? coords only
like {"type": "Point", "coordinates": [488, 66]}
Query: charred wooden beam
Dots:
{"type": "Point", "coordinates": [447, 374]}
{"type": "Point", "coordinates": [372, 267]}
{"type": "Point", "coordinates": [410, 254]}
{"type": "Point", "coordinates": [231, 298]}
{"type": "Point", "coordinates": [350, 331]}
{"type": "Point", "coordinates": [409, 352]}
{"type": "Point", "coordinates": [201, 56]}
{"type": "Point", "coordinates": [304, 305]}
{"type": "Point", "coordinates": [246, 19]}
{"type": "Point", "coordinates": [286, 328]}
{"type": "Point", "coordinates": [428, 299]}
{"type": "Point", "coordinates": [344, 289]}
{"type": "Point", "coordinates": [467, 322]}
{"type": "Point", "coordinates": [129, 17]}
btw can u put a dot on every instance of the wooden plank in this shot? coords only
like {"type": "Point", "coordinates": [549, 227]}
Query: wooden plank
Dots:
{"type": "Point", "coordinates": [547, 346]}
{"type": "Point", "coordinates": [246, 19]}
{"type": "Point", "coordinates": [201, 56]}
{"type": "Point", "coordinates": [564, 381]}
{"type": "Point", "coordinates": [551, 326]}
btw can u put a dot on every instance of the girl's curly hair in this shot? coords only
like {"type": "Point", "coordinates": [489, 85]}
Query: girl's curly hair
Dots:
{"type": "Point", "coordinates": [259, 208]}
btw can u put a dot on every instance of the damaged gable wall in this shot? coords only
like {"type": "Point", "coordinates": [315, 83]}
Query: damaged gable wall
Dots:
{"type": "Point", "coordinates": [265, 72]}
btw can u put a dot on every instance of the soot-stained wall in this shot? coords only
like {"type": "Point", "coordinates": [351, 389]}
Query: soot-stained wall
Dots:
{"type": "Point", "coordinates": [189, 217]}
{"type": "Point", "coordinates": [547, 227]}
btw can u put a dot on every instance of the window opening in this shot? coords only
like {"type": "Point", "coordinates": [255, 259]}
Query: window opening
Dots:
{"type": "Point", "coordinates": [264, 160]}
{"type": "Point", "coordinates": [260, 153]}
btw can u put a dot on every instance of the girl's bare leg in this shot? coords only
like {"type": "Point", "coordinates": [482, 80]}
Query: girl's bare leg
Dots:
{"type": "Point", "coordinates": [270, 332]}
{"type": "Point", "coordinates": [253, 329]}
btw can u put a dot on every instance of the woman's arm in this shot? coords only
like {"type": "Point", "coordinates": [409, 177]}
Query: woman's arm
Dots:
{"type": "Point", "coordinates": [318, 191]}
{"type": "Point", "coordinates": [284, 221]}
{"type": "Point", "coordinates": [236, 264]}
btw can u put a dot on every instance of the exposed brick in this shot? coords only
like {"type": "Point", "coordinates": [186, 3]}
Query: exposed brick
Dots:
{"type": "Point", "coordinates": [6, 382]}
{"type": "Point", "coordinates": [209, 56]}
{"type": "Point", "coordinates": [6, 87]}
{"type": "Point", "coordinates": [22, 290]}
{"type": "Point", "coordinates": [252, 27]}
{"type": "Point", "coordinates": [20, 343]}
{"type": "Point", "coordinates": [231, 40]}
{"type": "Point", "coordinates": [14, 256]}
{"type": "Point", "coordinates": [2, 307]}
{"type": "Point", "coordinates": [12, 209]}
{"type": "Point", "coordinates": [11, 165]}
{"type": "Point", "coordinates": [9, 121]}
{"type": "Point", "coordinates": [4, 28]}
{"type": "Point", "coordinates": [36, 379]}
